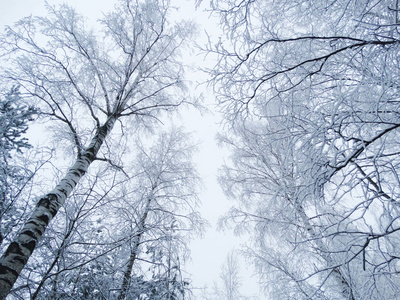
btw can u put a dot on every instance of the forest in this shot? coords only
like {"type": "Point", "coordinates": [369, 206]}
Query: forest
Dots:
{"type": "Point", "coordinates": [107, 204]}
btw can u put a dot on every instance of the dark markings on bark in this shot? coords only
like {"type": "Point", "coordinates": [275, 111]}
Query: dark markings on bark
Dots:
{"type": "Point", "coordinates": [36, 227]}
{"type": "Point", "coordinates": [64, 192]}
{"type": "Point", "coordinates": [20, 259]}
{"type": "Point", "coordinates": [29, 233]}
{"type": "Point", "coordinates": [49, 203]}
{"type": "Point", "coordinates": [45, 219]}
{"type": "Point", "coordinates": [52, 208]}
{"type": "Point", "coordinates": [70, 185]}
{"type": "Point", "coordinates": [33, 222]}
{"type": "Point", "coordinates": [43, 202]}
{"type": "Point", "coordinates": [90, 154]}
{"type": "Point", "coordinates": [6, 270]}
{"type": "Point", "coordinates": [30, 245]}
{"type": "Point", "coordinates": [14, 248]}
{"type": "Point", "coordinates": [46, 200]}
{"type": "Point", "coordinates": [78, 173]}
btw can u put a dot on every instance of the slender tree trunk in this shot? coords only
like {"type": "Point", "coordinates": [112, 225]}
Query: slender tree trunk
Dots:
{"type": "Point", "coordinates": [19, 251]}
{"type": "Point", "coordinates": [341, 280]}
{"type": "Point", "coordinates": [53, 294]}
{"type": "Point", "coordinates": [128, 270]}
{"type": "Point", "coordinates": [134, 250]}
{"type": "Point", "coordinates": [46, 276]}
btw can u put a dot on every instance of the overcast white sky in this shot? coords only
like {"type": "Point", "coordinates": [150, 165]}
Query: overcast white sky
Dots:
{"type": "Point", "coordinates": [210, 252]}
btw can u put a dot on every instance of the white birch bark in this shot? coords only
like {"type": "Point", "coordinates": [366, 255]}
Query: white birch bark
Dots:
{"type": "Point", "coordinates": [19, 251]}
{"type": "Point", "coordinates": [134, 252]}
{"type": "Point", "coordinates": [338, 276]}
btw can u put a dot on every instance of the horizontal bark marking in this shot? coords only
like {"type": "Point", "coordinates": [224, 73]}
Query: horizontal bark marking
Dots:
{"type": "Point", "coordinates": [19, 259]}
{"type": "Point", "coordinates": [46, 200]}
{"type": "Point", "coordinates": [35, 225]}
{"type": "Point", "coordinates": [29, 245]}
{"type": "Point", "coordinates": [6, 270]}
{"type": "Point", "coordinates": [45, 219]}
{"type": "Point", "coordinates": [67, 183]}
{"type": "Point", "coordinates": [29, 233]}
{"type": "Point", "coordinates": [89, 155]}
{"type": "Point", "coordinates": [14, 248]}
{"type": "Point", "coordinates": [64, 192]}
{"type": "Point", "coordinates": [7, 281]}
{"type": "Point", "coordinates": [78, 172]}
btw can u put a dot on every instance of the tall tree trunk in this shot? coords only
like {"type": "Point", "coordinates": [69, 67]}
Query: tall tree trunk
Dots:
{"type": "Point", "coordinates": [19, 251]}
{"type": "Point", "coordinates": [339, 277]}
{"type": "Point", "coordinates": [134, 250]}
{"type": "Point", "coordinates": [128, 270]}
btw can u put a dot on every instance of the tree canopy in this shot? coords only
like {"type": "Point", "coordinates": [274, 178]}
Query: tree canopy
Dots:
{"type": "Point", "coordinates": [99, 89]}
{"type": "Point", "coordinates": [309, 91]}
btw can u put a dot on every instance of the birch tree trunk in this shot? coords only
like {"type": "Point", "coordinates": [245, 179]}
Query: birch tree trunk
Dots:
{"type": "Point", "coordinates": [338, 275]}
{"type": "Point", "coordinates": [19, 251]}
{"type": "Point", "coordinates": [59, 254]}
{"type": "Point", "coordinates": [81, 78]}
{"type": "Point", "coordinates": [134, 250]}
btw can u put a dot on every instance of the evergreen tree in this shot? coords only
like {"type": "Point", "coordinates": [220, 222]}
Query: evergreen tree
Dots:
{"type": "Point", "coordinates": [14, 119]}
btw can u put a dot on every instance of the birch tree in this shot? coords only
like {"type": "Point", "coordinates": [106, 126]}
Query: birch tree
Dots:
{"type": "Point", "coordinates": [88, 82]}
{"type": "Point", "coordinates": [310, 92]}
{"type": "Point", "coordinates": [287, 247]}
{"type": "Point", "coordinates": [231, 282]}
{"type": "Point", "coordinates": [73, 242]}
{"type": "Point", "coordinates": [164, 216]}
{"type": "Point", "coordinates": [122, 235]}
